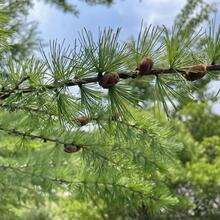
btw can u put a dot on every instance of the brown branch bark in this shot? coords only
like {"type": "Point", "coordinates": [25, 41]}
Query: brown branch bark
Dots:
{"type": "Point", "coordinates": [77, 82]}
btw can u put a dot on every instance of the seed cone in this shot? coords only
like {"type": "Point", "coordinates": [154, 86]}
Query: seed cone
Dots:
{"type": "Point", "coordinates": [108, 80]}
{"type": "Point", "coordinates": [83, 120]}
{"type": "Point", "coordinates": [145, 66]}
{"type": "Point", "coordinates": [71, 148]}
{"type": "Point", "coordinates": [196, 72]}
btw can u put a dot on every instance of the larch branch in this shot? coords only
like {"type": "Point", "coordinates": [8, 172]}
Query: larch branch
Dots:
{"type": "Point", "coordinates": [87, 80]}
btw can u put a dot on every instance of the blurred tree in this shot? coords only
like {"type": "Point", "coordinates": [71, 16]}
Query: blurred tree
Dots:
{"type": "Point", "coordinates": [198, 179]}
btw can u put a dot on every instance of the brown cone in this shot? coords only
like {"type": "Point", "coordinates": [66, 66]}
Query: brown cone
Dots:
{"type": "Point", "coordinates": [70, 148]}
{"type": "Point", "coordinates": [145, 66]}
{"type": "Point", "coordinates": [109, 80]}
{"type": "Point", "coordinates": [196, 72]}
{"type": "Point", "coordinates": [83, 120]}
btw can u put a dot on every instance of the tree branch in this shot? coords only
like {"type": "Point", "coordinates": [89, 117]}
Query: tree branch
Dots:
{"type": "Point", "coordinates": [83, 182]}
{"type": "Point", "coordinates": [27, 109]}
{"type": "Point", "coordinates": [87, 80]}
{"type": "Point", "coordinates": [32, 136]}
{"type": "Point", "coordinates": [9, 92]}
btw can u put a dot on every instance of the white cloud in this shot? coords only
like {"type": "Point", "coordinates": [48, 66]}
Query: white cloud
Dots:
{"type": "Point", "coordinates": [40, 12]}
{"type": "Point", "coordinates": [159, 11]}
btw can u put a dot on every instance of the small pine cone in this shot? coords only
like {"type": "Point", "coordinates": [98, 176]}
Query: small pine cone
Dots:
{"type": "Point", "coordinates": [71, 148]}
{"type": "Point", "coordinates": [83, 120]}
{"type": "Point", "coordinates": [115, 117]}
{"type": "Point", "coordinates": [196, 72]}
{"type": "Point", "coordinates": [145, 66]}
{"type": "Point", "coordinates": [108, 80]}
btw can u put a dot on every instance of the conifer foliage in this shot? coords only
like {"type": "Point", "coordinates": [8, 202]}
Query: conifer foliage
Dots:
{"type": "Point", "coordinates": [70, 123]}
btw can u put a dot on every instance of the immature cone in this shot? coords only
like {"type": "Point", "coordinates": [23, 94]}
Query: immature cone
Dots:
{"type": "Point", "coordinates": [108, 80]}
{"type": "Point", "coordinates": [71, 148]}
{"type": "Point", "coordinates": [115, 117]}
{"type": "Point", "coordinates": [83, 120]}
{"type": "Point", "coordinates": [196, 72]}
{"type": "Point", "coordinates": [145, 66]}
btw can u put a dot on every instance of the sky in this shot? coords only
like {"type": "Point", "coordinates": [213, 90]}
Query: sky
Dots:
{"type": "Point", "coordinates": [127, 14]}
